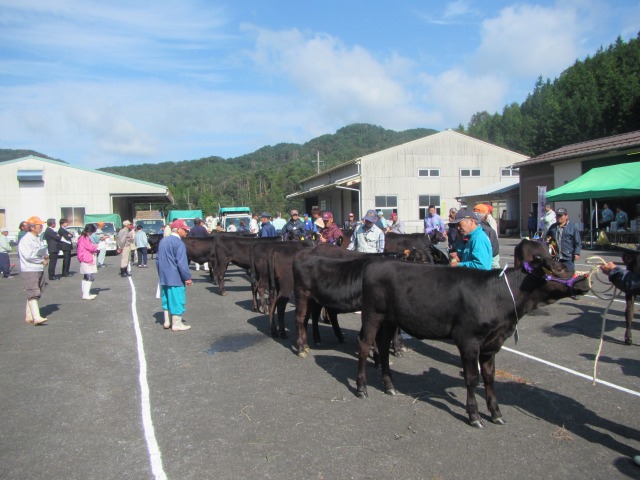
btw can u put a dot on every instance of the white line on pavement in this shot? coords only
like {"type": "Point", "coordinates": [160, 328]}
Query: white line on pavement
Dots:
{"type": "Point", "coordinates": [573, 372]}
{"type": "Point", "coordinates": [149, 433]}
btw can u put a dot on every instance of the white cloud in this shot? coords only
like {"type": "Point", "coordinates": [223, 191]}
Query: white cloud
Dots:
{"type": "Point", "coordinates": [457, 95]}
{"type": "Point", "coordinates": [530, 40]}
{"type": "Point", "coordinates": [346, 83]}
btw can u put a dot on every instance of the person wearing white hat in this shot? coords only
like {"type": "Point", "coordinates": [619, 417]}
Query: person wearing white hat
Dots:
{"type": "Point", "coordinates": [33, 255]}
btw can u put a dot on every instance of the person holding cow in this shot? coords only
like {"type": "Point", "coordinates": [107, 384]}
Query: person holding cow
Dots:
{"type": "Point", "coordinates": [368, 238]}
{"type": "Point", "coordinates": [433, 222]}
{"type": "Point", "coordinates": [294, 228]}
{"type": "Point", "coordinates": [173, 271]}
{"type": "Point", "coordinates": [628, 281]}
{"type": "Point", "coordinates": [331, 233]}
{"type": "Point", "coordinates": [567, 237]}
{"type": "Point", "coordinates": [473, 248]}
{"type": "Point", "coordinates": [267, 229]}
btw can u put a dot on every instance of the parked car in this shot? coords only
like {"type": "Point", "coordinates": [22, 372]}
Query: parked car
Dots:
{"type": "Point", "coordinates": [75, 231]}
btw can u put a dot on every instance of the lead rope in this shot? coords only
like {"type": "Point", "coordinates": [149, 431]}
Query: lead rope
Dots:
{"type": "Point", "coordinates": [601, 296]}
{"type": "Point", "coordinates": [515, 309]}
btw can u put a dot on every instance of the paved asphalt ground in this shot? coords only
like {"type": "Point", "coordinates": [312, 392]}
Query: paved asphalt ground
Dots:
{"type": "Point", "coordinates": [226, 401]}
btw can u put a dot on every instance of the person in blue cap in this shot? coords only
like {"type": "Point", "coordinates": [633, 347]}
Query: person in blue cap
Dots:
{"type": "Point", "coordinates": [267, 230]}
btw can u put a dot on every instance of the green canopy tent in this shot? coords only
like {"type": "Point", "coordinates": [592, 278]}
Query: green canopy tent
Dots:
{"type": "Point", "coordinates": [614, 181]}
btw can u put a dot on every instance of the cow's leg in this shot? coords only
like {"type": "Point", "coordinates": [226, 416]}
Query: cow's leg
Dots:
{"type": "Point", "coordinates": [325, 316]}
{"type": "Point", "coordinates": [333, 318]}
{"type": "Point", "coordinates": [315, 317]}
{"type": "Point", "coordinates": [254, 295]}
{"type": "Point", "coordinates": [398, 345]}
{"type": "Point", "coordinates": [211, 272]}
{"type": "Point", "coordinates": [469, 358]}
{"type": "Point", "coordinates": [383, 341]}
{"type": "Point", "coordinates": [222, 269]}
{"type": "Point", "coordinates": [488, 370]}
{"type": "Point", "coordinates": [366, 337]}
{"type": "Point", "coordinates": [282, 305]}
{"type": "Point", "coordinates": [628, 315]}
{"type": "Point", "coordinates": [302, 318]}
{"type": "Point", "coordinates": [272, 324]}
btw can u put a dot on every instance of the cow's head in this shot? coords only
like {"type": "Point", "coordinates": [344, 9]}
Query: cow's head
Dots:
{"type": "Point", "coordinates": [417, 256]}
{"type": "Point", "coordinates": [554, 279]}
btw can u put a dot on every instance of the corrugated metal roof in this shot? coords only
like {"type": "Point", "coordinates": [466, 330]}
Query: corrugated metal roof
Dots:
{"type": "Point", "coordinates": [494, 188]}
{"type": "Point", "coordinates": [623, 141]}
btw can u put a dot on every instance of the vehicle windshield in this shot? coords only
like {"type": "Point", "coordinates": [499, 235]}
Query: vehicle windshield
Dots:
{"type": "Point", "coordinates": [150, 226]}
{"type": "Point", "coordinates": [107, 228]}
{"type": "Point", "coordinates": [236, 221]}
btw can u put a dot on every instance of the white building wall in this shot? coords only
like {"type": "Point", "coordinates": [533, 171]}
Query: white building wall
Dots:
{"type": "Point", "coordinates": [64, 186]}
{"type": "Point", "coordinates": [395, 172]}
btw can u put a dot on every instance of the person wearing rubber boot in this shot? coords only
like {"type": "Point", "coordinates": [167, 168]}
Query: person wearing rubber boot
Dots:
{"type": "Point", "coordinates": [173, 270]}
{"type": "Point", "coordinates": [32, 252]}
{"type": "Point", "coordinates": [124, 244]}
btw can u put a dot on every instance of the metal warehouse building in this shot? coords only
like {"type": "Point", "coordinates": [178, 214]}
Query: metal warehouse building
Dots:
{"type": "Point", "coordinates": [53, 189]}
{"type": "Point", "coordinates": [440, 169]}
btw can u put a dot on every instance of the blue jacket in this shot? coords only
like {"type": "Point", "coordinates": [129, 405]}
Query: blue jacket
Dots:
{"type": "Point", "coordinates": [173, 266]}
{"type": "Point", "coordinates": [476, 251]}
{"type": "Point", "coordinates": [268, 230]}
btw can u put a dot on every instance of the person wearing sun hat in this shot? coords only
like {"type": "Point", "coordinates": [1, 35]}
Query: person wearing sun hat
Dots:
{"type": "Point", "coordinates": [33, 255]}
{"type": "Point", "coordinates": [174, 274]}
{"type": "Point", "coordinates": [368, 238]}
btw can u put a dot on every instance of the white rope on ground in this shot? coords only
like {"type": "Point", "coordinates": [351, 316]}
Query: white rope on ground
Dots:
{"type": "Point", "coordinates": [602, 296]}
{"type": "Point", "coordinates": [155, 456]}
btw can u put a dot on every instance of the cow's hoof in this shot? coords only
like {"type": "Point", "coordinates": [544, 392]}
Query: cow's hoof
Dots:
{"type": "Point", "coordinates": [499, 421]}
{"type": "Point", "coordinates": [477, 423]}
{"type": "Point", "coordinates": [362, 395]}
{"type": "Point", "coordinates": [628, 341]}
{"type": "Point", "coordinates": [391, 391]}
{"type": "Point", "coordinates": [307, 349]}
{"type": "Point", "coordinates": [223, 293]}
{"type": "Point", "coordinates": [284, 335]}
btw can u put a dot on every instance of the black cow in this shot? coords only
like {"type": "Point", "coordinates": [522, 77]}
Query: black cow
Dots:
{"type": "Point", "coordinates": [259, 254]}
{"type": "Point", "coordinates": [400, 242]}
{"type": "Point", "coordinates": [472, 307]}
{"type": "Point", "coordinates": [326, 277]}
{"type": "Point", "coordinates": [201, 250]}
{"type": "Point", "coordinates": [527, 249]}
{"type": "Point", "coordinates": [154, 241]}
{"type": "Point", "coordinates": [280, 275]}
{"type": "Point", "coordinates": [234, 249]}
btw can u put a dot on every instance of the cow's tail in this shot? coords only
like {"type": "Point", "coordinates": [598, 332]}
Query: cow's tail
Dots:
{"type": "Point", "coordinates": [252, 268]}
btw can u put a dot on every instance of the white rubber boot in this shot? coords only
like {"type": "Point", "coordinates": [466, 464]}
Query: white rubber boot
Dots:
{"type": "Point", "coordinates": [27, 314]}
{"type": "Point", "coordinates": [35, 312]}
{"type": "Point", "coordinates": [167, 320]}
{"type": "Point", "coordinates": [206, 267]}
{"type": "Point", "coordinates": [178, 326]}
{"type": "Point", "coordinates": [86, 290]}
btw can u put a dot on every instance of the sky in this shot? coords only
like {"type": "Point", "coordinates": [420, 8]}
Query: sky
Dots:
{"type": "Point", "coordinates": [110, 83]}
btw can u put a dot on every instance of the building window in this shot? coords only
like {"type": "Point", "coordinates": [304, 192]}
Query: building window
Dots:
{"type": "Point", "coordinates": [469, 172]}
{"type": "Point", "coordinates": [509, 172]}
{"type": "Point", "coordinates": [428, 172]}
{"type": "Point", "coordinates": [424, 201]}
{"type": "Point", "coordinates": [75, 215]}
{"type": "Point", "coordinates": [387, 203]}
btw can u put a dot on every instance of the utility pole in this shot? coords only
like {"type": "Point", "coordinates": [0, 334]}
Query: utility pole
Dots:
{"type": "Point", "coordinates": [318, 160]}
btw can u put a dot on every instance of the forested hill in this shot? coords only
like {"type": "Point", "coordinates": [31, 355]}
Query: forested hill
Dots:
{"type": "Point", "coordinates": [262, 179]}
{"type": "Point", "coordinates": [9, 154]}
{"type": "Point", "coordinates": [594, 98]}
